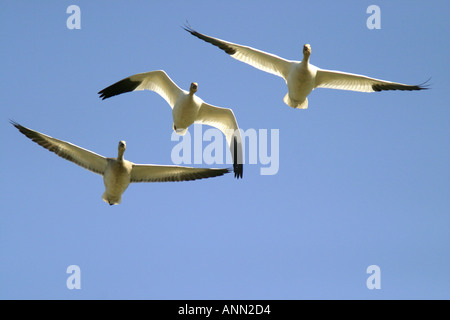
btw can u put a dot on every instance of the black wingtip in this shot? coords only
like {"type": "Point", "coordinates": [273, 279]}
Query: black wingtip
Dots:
{"type": "Point", "coordinates": [216, 42]}
{"type": "Point", "coordinates": [238, 170]}
{"type": "Point", "coordinates": [122, 86]}
{"type": "Point", "coordinates": [15, 124]}
{"type": "Point", "coordinates": [102, 95]}
{"type": "Point", "coordinates": [188, 28]}
{"type": "Point", "coordinates": [386, 87]}
{"type": "Point", "coordinates": [238, 167]}
{"type": "Point", "coordinates": [24, 130]}
{"type": "Point", "coordinates": [425, 85]}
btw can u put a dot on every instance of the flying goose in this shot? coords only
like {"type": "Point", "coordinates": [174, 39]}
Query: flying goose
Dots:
{"type": "Point", "coordinates": [187, 108]}
{"type": "Point", "coordinates": [117, 173]}
{"type": "Point", "coordinates": [302, 77]}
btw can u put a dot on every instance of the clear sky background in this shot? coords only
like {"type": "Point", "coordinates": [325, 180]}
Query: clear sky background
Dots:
{"type": "Point", "coordinates": [363, 178]}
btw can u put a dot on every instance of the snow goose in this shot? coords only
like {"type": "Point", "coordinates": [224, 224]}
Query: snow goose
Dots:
{"type": "Point", "coordinates": [117, 173]}
{"type": "Point", "coordinates": [187, 108]}
{"type": "Point", "coordinates": [302, 77]}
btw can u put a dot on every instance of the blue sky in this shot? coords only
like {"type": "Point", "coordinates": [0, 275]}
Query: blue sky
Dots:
{"type": "Point", "coordinates": [363, 178]}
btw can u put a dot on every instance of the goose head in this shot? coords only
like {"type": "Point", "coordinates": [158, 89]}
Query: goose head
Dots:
{"type": "Point", "coordinates": [122, 148]}
{"type": "Point", "coordinates": [306, 51]}
{"type": "Point", "coordinates": [179, 131]}
{"type": "Point", "coordinates": [193, 88]}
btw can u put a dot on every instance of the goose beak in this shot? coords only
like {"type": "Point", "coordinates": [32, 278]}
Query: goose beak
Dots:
{"type": "Point", "coordinates": [194, 87]}
{"type": "Point", "coordinates": [307, 48]}
{"type": "Point", "coordinates": [181, 132]}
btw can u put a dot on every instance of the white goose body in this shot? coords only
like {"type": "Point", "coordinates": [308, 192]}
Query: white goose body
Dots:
{"type": "Point", "coordinates": [117, 173]}
{"type": "Point", "coordinates": [187, 108]}
{"type": "Point", "coordinates": [302, 77]}
{"type": "Point", "coordinates": [300, 83]}
{"type": "Point", "coordinates": [185, 111]}
{"type": "Point", "coordinates": [117, 178]}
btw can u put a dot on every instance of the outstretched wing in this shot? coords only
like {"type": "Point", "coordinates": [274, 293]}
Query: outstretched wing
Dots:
{"type": "Point", "coordinates": [259, 59]}
{"type": "Point", "coordinates": [82, 157]}
{"type": "Point", "coordinates": [355, 82]}
{"type": "Point", "coordinates": [224, 120]}
{"type": "Point", "coordinates": [157, 81]}
{"type": "Point", "coordinates": [158, 173]}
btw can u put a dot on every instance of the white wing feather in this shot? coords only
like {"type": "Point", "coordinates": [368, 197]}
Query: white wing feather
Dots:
{"type": "Point", "coordinates": [259, 59]}
{"type": "Point", "coordinates": [82, 157]}
{"type": "Point", "coordinates": [355, 82]}
{"type": "Point", "coordinates": [159, 173]}
{"type": "Point", "coordinates": [157, 81]}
